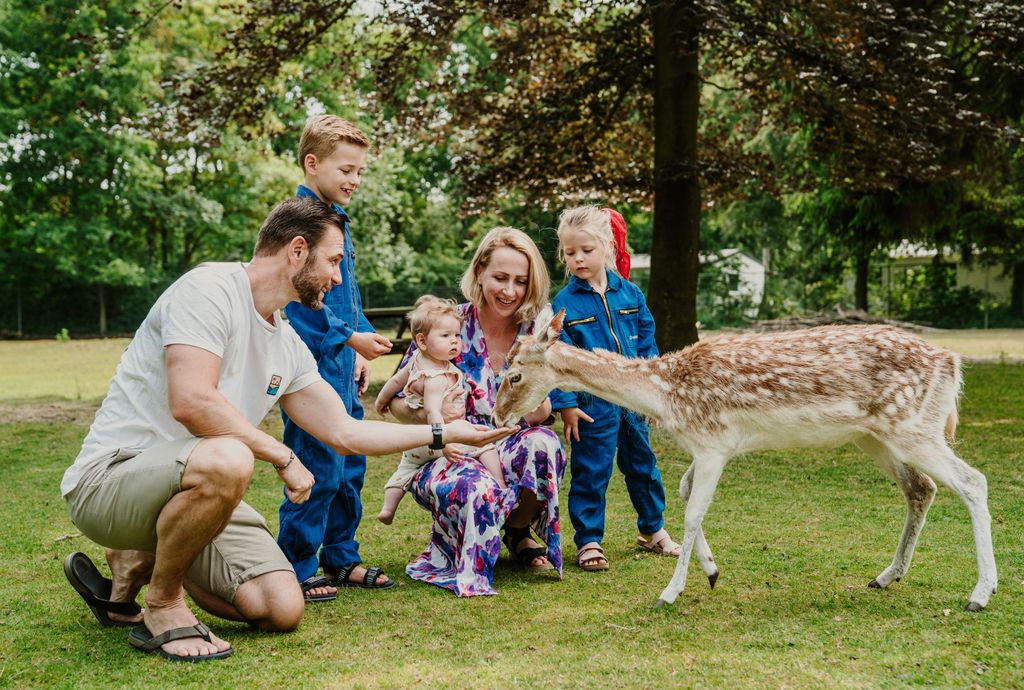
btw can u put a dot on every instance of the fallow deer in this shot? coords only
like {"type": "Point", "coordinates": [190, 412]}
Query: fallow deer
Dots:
{"type": "Point", "coordinates": [890, 393]}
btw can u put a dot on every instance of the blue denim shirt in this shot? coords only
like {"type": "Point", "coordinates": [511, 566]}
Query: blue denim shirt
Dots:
{"type": "Point", "coordinates": [618, 321]}
{"type": "Point", "coordinates": [326, 331]}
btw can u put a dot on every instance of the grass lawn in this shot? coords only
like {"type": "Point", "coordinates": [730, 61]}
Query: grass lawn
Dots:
{"type": "Point", "coordinates": [797, 536]}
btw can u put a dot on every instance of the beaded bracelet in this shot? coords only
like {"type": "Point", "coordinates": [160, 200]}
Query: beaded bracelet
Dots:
{"type": "Point", "coordinates": [282, 468]}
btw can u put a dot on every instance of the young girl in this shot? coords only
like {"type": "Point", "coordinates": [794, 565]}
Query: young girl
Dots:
{"type": "Point", "coordinates": [603, 310]}
{"type": "Point", "coordinates": [428, 377]}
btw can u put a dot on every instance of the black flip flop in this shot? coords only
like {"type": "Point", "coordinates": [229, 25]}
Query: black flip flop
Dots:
{"type": "Point", "coordinates": [312, 582]}
{"type": "Point", "coordinates": [95, 589]}
{"type": "Point", "coordinates": [369, 580]}
{"type": "Point", "coordinates": [145, 641]}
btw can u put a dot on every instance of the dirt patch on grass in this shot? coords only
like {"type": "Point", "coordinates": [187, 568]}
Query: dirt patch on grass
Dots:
{"type": "Point", "coordinates": [59, 411]}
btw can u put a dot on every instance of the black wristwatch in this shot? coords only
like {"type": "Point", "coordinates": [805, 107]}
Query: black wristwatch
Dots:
{"type": "Point", "coordinates": [437, 429]}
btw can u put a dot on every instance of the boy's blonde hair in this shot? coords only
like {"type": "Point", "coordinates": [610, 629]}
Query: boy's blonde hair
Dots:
{"type": "Point", "coordinates": [427, 310]}
{"type": "Point", "coordinates": [593, 221]}
{"type": "Point", "coordinates": [323, 132]}
{"type": "Point", "coordinates": [538, 285]}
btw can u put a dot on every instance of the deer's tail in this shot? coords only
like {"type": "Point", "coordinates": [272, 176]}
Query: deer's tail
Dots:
{"type": "Point", "coordinates": [951, 422]}
{"type": "Point", "coordinates": [954, 414]}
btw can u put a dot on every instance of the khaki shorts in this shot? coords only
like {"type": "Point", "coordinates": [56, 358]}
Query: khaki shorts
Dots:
{"type": "Point", "coordinates": [117, 503]}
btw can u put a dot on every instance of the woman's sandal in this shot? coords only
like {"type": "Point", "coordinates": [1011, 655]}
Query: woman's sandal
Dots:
{"type": "Point", "coordinates": [525, 556]}
{"type": "Point", "coordinates": [660, 543]}
{"type": "Point", "coordinates": [591, 557]}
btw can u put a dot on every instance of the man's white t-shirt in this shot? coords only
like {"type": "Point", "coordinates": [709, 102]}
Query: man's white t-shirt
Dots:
{"type": "Point", "coordinates": [210, 307]}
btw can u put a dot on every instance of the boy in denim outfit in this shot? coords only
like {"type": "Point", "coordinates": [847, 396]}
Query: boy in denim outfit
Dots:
{"type": "Point", "coordinates": [332, 152]}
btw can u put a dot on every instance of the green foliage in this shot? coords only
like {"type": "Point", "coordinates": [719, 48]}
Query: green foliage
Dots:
{"type": "Point", "coordinates": [138, 140]}
{"type": "Point", "coordinates": [63, 336]}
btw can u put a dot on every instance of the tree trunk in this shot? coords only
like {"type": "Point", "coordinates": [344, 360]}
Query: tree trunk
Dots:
{"type": "Point", "coordinates": [675, 264]}
{"type": "Point", "coordinates": [1017, 291]}
{"type": "Point", "coordinates": [101, 291]}
{"type": "Point", "coordinates": [17, 291]}
{"type": "Point", "coordinates": [762, 308]}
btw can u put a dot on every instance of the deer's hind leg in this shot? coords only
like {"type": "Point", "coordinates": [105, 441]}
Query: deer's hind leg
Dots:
{"type": "Point", "coordinates": [938, 460]}
{"type": "Point", "coordinates": [919, 490]}
{"type": "Point", "coordinates": [700, 546]}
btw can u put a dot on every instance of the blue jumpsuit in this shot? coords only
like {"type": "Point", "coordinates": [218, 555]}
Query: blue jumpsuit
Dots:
{"type": "Point", "coordinates": [618, 321]}
{"type": "Point", "coordinates": [332, 513]}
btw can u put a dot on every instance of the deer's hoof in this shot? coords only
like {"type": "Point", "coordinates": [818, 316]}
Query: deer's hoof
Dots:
{"type": "Point", "coordinates": [974, 607]}
{"type": "Point", "coordinates": [712, 579]}
{"type": "Point", "coordinates": [660, 603]}
{"type": "Point", "coordinates": [874, 585]}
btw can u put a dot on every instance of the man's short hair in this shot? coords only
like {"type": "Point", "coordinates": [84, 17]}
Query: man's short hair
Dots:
{"type": "Point", "coordinates": [299, 217]}
{"type": "Point", "coordinates": [323, 132]}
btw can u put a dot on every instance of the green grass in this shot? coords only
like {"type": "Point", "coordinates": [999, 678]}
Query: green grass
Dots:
{"type": "Point", "coordinates": [797, 536]}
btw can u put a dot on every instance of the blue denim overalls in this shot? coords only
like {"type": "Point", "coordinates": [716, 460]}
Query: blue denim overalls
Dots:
{"type": "Point", "coordinates": [334, 508]}
{"type": "Point", "coordinates": [618, 321]}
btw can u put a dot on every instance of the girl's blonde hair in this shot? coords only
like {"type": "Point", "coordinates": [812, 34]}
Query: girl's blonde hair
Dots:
{"type": "Point", "coordinates": [427, 310]}
{"type": "Point", "coordinates": [538, 285]}
{"type": "Point", "coordinates": [593, 221]}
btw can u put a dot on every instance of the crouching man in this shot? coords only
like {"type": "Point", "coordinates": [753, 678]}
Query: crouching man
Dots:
{"type": "Point", "coordinates": [161, 475]}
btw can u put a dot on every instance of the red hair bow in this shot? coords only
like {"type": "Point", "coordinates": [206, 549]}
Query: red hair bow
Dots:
{"type": "Point", "coordinates": [619, 234]}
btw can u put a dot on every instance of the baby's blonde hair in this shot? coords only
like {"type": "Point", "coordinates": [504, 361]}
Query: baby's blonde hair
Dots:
{"type": "Point", "coordinates": [426, 312]}
{"type": "Point", "coordinates": [593, 221]}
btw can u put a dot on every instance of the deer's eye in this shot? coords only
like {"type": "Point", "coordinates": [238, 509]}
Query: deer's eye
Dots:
{"type": "Point", "coordinates": [515, 377]}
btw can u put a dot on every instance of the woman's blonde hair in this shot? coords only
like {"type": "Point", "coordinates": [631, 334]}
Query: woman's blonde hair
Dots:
{"type": "Point", "coordinates": [427, 310]}
{"type": "Point", "coordinates": [593, 221]}
{"type": "Point", "coordinates": [538, 285]}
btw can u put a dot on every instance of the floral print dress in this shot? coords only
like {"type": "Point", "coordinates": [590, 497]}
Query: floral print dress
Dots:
{"type": "Point", "coordinates": [467, 504]}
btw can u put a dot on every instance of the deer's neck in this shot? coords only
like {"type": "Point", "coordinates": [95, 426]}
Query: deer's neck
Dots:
{"type": "Point", "coordinates": [626, 382]}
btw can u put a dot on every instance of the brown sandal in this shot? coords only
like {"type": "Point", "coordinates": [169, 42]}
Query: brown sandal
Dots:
{"type": "Point", "coordinates": [591, 557]}
{"type": "Point", "coordinates": [660, 543]}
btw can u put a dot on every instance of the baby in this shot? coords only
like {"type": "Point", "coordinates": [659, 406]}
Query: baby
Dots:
{"type": "Point", "coordinates": [426, 379]}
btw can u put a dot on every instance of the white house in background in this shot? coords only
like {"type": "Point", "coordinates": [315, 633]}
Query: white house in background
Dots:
{"type": "Point", "coordinates": [907, 255]}
{"type": "Point", "coordinates": [746, 274]}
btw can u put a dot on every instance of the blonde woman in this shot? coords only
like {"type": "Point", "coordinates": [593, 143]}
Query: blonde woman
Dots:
{"type": "Point", "coordinates": [507, 285]}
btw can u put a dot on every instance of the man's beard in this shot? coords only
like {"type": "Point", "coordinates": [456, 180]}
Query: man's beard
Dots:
{"type": "Point", "coordinates": [306, 285]}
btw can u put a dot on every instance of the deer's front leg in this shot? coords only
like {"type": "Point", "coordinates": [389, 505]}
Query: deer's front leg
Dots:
{"type": "Point", "coordinates": [700, 547]}
{"type": "Point", "coordinates": [707, 470]}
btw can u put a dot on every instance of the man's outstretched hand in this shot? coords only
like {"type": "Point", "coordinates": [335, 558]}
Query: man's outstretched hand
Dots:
{"type": "Point", "coordinates": [461, 431]}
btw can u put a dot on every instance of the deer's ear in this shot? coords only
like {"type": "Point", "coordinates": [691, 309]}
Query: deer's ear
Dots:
{"type": "Point", "coordinates": [554, 328]}
{"type": "Point", "coordinates": [543, 318]}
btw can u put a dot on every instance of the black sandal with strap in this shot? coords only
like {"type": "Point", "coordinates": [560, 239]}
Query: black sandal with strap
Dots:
{"type": "Point", "coordinates": [525, 556]}
{"type": "Point", "coordinates": [369, 579]}
{"type": "Point", "coordinates": [314, 582]}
